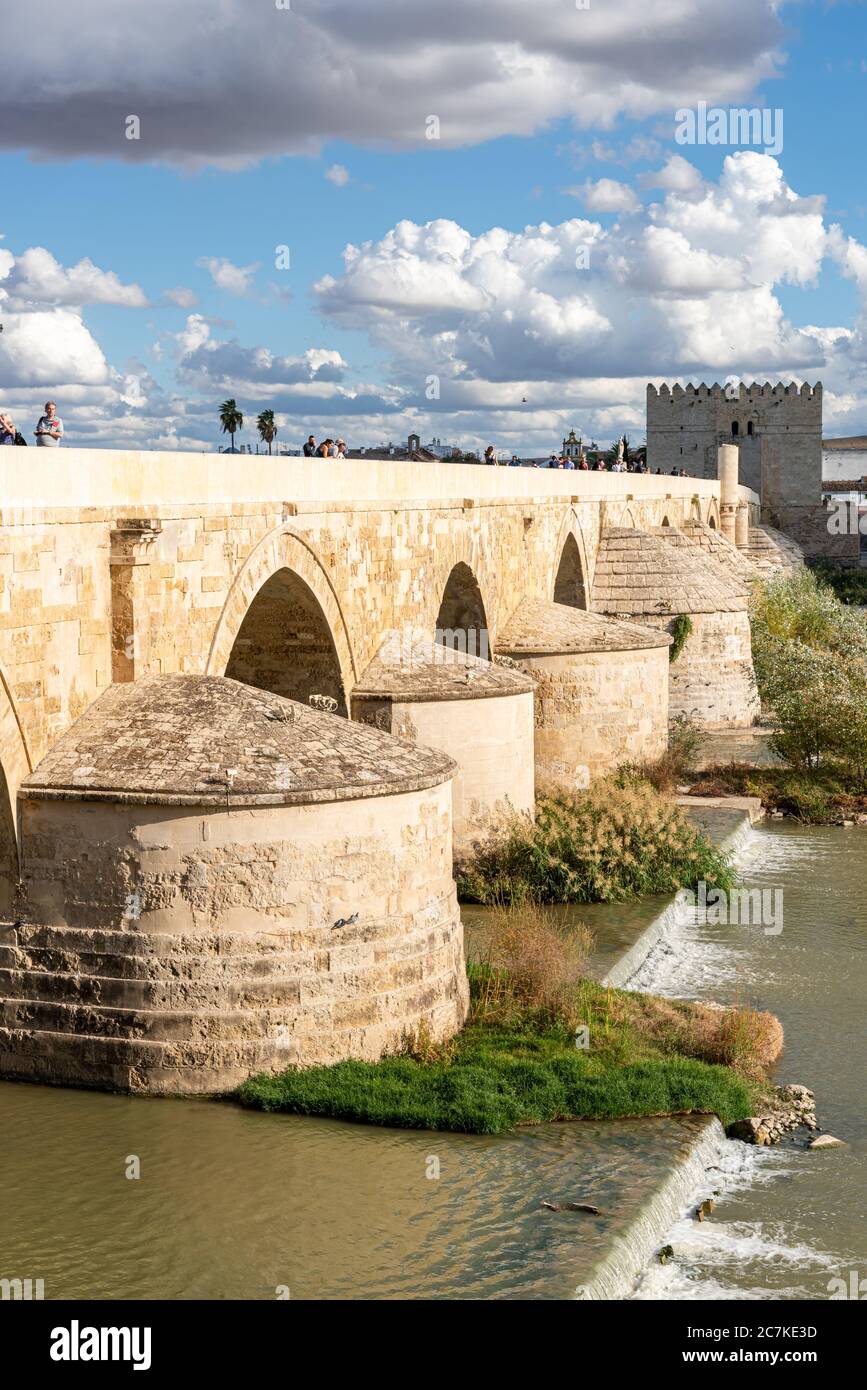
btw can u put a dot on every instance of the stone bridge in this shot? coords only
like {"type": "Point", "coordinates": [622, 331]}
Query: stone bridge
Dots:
{"type": "Point", "coordinates": [283, 572]}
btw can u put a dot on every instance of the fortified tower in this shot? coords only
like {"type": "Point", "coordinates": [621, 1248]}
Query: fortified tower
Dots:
{"type": "Point", "coordinates": [778, 431]}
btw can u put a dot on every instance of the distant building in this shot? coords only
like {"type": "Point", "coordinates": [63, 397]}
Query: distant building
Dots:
{"type": "Point", "coordinates": [572, 447]}
{"type": "Point", "coordinates": [844, 459]}
{"type": "Point", "coordinates": [413, 451]}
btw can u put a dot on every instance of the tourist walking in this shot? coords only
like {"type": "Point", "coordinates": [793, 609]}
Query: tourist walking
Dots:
{"type": "Point", "coordinates": [310, 448]}
{"type": "Point", "coordinates": [49, 430]}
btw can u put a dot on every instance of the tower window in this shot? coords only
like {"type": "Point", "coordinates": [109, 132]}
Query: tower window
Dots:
{"type": "Point", "coordinates": [749, 426]}
{"type": "Point", "coordinates": [736, 429]}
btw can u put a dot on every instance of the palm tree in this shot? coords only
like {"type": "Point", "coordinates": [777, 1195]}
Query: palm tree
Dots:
{"type": "Point", "coordinates": [231, 420]}
{"type": "Point", "coordinates": [266, 427]}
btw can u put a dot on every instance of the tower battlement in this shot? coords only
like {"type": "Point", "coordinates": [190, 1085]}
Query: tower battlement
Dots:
{"type": "Point", "coordinates": [756, 391]}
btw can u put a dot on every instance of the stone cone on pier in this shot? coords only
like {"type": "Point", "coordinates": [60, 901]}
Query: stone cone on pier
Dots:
{"type": "Point", "coordinates": [216, 881]}
{"type": "Point", "coordinates": [644, 578]}
{"type": "Point", "coordinates": [601, 689]}
{"type": "Point", "coordinates": [480, 713]}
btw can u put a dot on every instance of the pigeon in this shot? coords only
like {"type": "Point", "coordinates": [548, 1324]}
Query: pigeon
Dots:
{"type": "Point", "coordinates": [345, 922]}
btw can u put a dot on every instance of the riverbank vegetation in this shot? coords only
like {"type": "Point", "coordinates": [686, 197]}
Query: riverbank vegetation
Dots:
{"type": "Point", "coordinates": [849, 585]}
{"type": "Point", "coordinates": [544, 1042]}
{"type": "Point", "coordinates": [619, 839]}
{"type": "Point", "coordinates": [810, 657]}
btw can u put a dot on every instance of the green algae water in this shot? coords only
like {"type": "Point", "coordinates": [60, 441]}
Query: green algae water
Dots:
{"type": "Point", "coordinates": [234, 1204]}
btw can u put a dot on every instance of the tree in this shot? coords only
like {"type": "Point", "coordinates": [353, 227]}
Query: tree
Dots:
{"type": "Point", "coordinates": [267, 428]}
{"type": "Point", "coordinates": [231, 420]}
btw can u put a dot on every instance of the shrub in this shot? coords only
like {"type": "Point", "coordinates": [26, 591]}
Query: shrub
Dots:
{"type": "Point", "coordinates": [685, 740]}
{"type": "Point", "coordinates": [611, 842]}
{"type": "Point", "coordinates": [810, 657]}
{"type": "Point", "coordinates": [680, 630]}
{"type": "Point", "coordinates": [532, 963]}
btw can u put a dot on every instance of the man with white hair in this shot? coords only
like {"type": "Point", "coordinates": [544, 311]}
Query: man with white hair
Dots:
{"type": "Point", "coordinates": [49, 431]}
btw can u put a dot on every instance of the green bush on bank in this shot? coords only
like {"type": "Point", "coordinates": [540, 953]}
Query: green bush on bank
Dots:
{"type": "Point", "coordinates": [810, 658]}
{"type": "Point", "coordinates": [617, 840]}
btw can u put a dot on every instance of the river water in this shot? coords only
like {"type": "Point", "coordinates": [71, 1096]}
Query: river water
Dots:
{"type": "Point", "coordinates": [789, 1220]}
{"type": "Point", "coordinates": [236, 1204]}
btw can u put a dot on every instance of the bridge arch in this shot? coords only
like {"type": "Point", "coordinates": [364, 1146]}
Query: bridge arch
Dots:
{"type": "Point", "coordinates": [282, 627]}
{"type": "Point", "coordinates": [15, 763]}
{"type": "Point", "coordinates": [462, 616]}
{"type": "Point", "coordinates": [572, 577]}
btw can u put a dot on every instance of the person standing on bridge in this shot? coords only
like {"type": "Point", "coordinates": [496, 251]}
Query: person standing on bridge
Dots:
{"type": "Point", "coordinates": [49, 430]}
{"type": "Point", "coordinates": [310, 448]}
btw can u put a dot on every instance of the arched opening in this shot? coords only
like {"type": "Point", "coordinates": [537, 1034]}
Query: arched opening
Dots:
{"type": "Point", "coordinates": [665, 521]}
{"type": "Point", "coordinates": [749, 426]}
{"type": "Point", "coordinates": [462, 623]}
{"type": "Point", "coordinates": [711, 521]}
{"type": "Point", "coordinates": [285, 644]}
{"type": "Point", "coordinates": [736, 429]}
{"type": "Point", "coordinates": [569, 586]}
{"type": "Point", "coordinates": [8, 851]}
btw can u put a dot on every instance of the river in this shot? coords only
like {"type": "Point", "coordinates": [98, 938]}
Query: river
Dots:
{"type": "Point", "coordinates": [236, 1204]}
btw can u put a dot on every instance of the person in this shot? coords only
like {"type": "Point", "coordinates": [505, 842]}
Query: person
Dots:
{"type": "Point", "coordinates": [583, 465]}
{"type": "Point", "coordinates": [310, 448]}
{"type": "Point", "coordinates": [490, 456]}
{"type": "Point", "coordinates": [49, 430]}
{"type": "Point", "coordinates": [552, 462]}
{"type": "Point", "coordinates": [341, 449]}
{"type": "Point", "coordinates": [324, 450]}
{"type": "Point", "coordinates": [514, 462]}
{"type": "Point", "coordinates": [673, 473]}
{"type": "Point", "coordinates": [7, 430]}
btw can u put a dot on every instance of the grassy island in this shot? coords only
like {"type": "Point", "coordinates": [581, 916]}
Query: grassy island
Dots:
{"type": "Point", "coordinates": [544, 1042]}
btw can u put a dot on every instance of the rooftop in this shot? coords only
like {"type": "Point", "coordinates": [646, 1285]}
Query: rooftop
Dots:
{"type": "Point", "coordinates": [637, 573]}
{"type": "Point", "coordinates": [209, 741]}
{"type": "Point", "coordinates": [420, 669]}
{"type": "Point", "coordinates": [538, 627]}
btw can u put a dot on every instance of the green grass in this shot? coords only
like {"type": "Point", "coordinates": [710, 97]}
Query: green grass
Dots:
{"type": "Point", "coordinates": [496, 1075]}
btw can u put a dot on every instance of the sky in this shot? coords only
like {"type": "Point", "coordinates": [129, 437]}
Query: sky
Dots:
{"type": "Point", "coordinates": [485, 221]}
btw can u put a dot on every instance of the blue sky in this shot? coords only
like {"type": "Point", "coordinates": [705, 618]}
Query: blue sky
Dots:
{"type": "Point", "coordinates": [492, 322]}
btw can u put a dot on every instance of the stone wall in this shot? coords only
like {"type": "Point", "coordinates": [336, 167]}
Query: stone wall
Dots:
{"type": "Point", "coordinates": [491, 740]}
{"type": "Point", "coordinates": [127, 564]}
{"type": "Point", "coordinates": [712, 680]}
{"type": "Point", "coordinates": [596, 710]}
{"type": "Point", "coordinates": [166, 950]}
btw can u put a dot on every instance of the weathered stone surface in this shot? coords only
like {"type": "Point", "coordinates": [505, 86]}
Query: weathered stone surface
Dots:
{"type": "Point", "coordinates": [479, 713]}
{"type": "Point", "coordinates": [173, 938]}
{"type": "Point", "coordinates": [642, 576]}
{"type": "Point", "coordinates": [601, 689]}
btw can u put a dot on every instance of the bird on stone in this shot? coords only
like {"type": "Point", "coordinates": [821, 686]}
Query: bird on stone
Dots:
{"type": "Point", "coordinates": [345, 922]}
